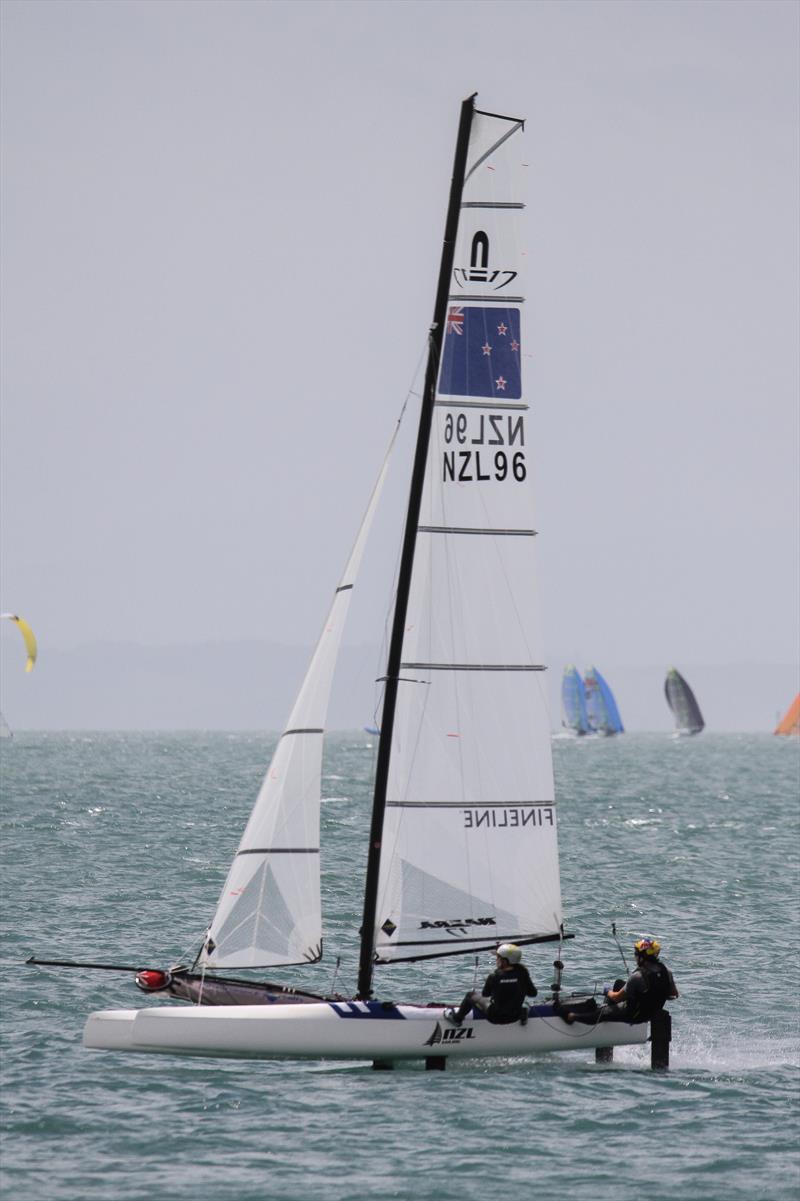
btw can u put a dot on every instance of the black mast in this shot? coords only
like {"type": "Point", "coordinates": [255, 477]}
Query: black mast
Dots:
{"type": "Point", "coordinates": [407, 556]}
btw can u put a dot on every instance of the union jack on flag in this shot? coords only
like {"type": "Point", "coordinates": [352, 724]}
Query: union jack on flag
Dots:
{"type": "Point", "coordinates": [455, 320]}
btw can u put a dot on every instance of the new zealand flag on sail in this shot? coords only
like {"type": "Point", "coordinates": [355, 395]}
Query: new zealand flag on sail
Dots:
{"type": "Point", "coordinates": [481, 355]}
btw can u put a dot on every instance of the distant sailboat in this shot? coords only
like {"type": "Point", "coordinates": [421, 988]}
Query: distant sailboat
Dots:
{"type": "Point", "coordinates": [681, 700]}
{"type": "Point", "coordinates": [790, 722]}
{"type": "Point", "coordinates": [5, 729]}
{"type": "Point", "coordinates": [573, 702]}
{"type": "Point", "coordinates": [601, 708]}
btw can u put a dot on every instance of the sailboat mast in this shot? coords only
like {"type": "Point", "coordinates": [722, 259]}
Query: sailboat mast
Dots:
{"type": "Point", "coordinates": [407, 555]}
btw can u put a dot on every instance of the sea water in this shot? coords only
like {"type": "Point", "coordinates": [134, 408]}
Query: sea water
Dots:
{"type": "Point", "coordinates": [116, 846]}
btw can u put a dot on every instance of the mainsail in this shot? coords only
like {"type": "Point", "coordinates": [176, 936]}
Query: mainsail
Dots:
{"type": "Point", "coordinates": [790, 722]}
{"type": "Point", "coordinates": [601, 708]}
{"type": "Point", "coordinates": [467, 843]}
{"type": "Point", "coordinates": [269, 912]}
{"type": "Point", "coordinates": [681, 700]}
{"type": "Point", "coordinates": [573, 701]}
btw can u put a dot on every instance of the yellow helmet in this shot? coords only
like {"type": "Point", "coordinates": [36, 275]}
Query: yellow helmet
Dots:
{"type": "Point", "coordinates": [647, 946]}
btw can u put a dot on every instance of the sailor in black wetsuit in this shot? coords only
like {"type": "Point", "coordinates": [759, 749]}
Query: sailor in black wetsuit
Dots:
{"type": "Point", "coordinates": [641, 996]}
{"type": "Point", "coordinates": [504, 993]}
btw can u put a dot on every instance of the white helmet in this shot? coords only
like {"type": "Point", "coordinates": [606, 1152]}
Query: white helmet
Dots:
{"type": "Point", "coordinates": [509, 951]}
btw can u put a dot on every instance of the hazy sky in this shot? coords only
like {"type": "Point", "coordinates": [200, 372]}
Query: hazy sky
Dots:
{"type": "Point", "coordinates": [220, 234]}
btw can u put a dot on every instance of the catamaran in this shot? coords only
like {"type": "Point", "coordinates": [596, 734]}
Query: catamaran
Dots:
{"type": "Point", "coordinates": [463, 847]}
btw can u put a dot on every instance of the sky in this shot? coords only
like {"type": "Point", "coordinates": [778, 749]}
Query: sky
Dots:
{"type": "Point", "coordinates": [219, 235]}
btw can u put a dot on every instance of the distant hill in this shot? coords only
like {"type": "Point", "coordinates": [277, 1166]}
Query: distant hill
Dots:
{"type": "Point", "coordinates": [251, 685]}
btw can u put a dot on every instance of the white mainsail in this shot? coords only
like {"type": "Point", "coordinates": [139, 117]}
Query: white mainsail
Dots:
{"type": "Point", "coordinates": [469, 850]}
{"type": "Point", "coordinates": [269, 912]}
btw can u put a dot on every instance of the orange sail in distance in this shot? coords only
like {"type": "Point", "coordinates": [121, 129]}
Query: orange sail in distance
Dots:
{"type": "Point", "coordinates": [790, 723]}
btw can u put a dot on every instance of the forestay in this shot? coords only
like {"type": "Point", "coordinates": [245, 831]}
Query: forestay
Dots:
{"type": "Point", "coordinates": [269, 912]}
{"type": "Point", "coordinates": [469, 848]}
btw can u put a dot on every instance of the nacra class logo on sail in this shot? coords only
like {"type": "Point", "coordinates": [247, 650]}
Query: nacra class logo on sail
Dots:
{"type": "Point", "coordinates": [456, 925]}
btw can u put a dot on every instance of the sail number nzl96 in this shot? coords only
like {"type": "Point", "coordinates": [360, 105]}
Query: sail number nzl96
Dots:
{"type": "Point", "coordinates": [484, 446]}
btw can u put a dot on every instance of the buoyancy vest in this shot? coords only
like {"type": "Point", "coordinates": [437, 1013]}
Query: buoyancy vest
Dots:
{"type": "Point", "coordinates": [648, 995]}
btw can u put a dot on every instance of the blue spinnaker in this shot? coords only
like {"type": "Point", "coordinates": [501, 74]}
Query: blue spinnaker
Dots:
{"type": "Point", "coordinates": [601, 708]}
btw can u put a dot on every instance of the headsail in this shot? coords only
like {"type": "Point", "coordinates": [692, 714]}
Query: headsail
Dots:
{"type": "Point", "coordinates": [469, 845]}
{"type": "Point", "coordinates": [681, 700]}
{"type": "Point", "coordinates": [573, 701]}
{"type": "Point", "coordinates": [269, 912]}
{"type": "Point", "coordinates": [601, 708]}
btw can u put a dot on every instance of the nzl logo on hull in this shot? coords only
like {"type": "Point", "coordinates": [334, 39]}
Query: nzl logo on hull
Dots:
{"type": "Point", "coordinates": [479, 271]}
{"type": "Point", "coordinates": [450, 1034]}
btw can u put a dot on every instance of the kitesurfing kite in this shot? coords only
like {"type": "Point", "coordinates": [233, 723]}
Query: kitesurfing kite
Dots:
{"type": "Point", "coordinates": [27, 635]}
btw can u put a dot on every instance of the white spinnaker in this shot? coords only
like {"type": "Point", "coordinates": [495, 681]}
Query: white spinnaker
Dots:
{"type": "Point", "coordinates": [269, 912]}
{"type": "Point", "coordinates": [470, 852]}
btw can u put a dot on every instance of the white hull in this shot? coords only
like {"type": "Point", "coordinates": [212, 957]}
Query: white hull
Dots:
{"type": "Point", "coordinates": [340, 1030]}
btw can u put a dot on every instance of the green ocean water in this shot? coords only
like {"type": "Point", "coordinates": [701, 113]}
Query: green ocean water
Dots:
{"type": "Point", "coordinates": [115, 848]}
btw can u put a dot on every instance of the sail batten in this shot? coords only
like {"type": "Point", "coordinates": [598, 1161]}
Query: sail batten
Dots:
{"type": "Point", "coordinates": [474, 666]}
{"type": "Point", "coordinates": [486, 298]}
{"type": "Point", "coordinates": [279, 851]}
{"type": "Point", "coordinates": [492, 204]}
{"type": "Point", "coordinates": [454, 529]}
{"type": "Point", "coordinates": [481, 404]}
{"type": "Point", "coordinates": [510, 804]}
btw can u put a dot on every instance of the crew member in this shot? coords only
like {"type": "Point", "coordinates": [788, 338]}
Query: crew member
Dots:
{"type": "Point", "coordinates": [503, 997]}
{"type": "Point", "coordinates": [641, 996]}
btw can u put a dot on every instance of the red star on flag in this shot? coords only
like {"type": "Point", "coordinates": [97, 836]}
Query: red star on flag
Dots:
{"type": "Point", "coordinates": [500, 384]}
{"type": "Point", "coordinates": [486, 348]}
{"type": "Point", "coordinates": [514, 344]}
{"type": "Point", "coordinates": [502, 330]}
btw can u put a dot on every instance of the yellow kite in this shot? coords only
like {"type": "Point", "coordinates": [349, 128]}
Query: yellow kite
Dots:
{"type": "Point", "coordinates": [28, 636]}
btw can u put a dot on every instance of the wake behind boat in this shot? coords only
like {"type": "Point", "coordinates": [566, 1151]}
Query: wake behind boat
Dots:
{"type": "Point", "coordinates": [463, 847]}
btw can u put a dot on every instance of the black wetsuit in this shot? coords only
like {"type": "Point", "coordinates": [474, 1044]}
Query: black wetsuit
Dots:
{"type": "Point", "coordinates": [503, 996]}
